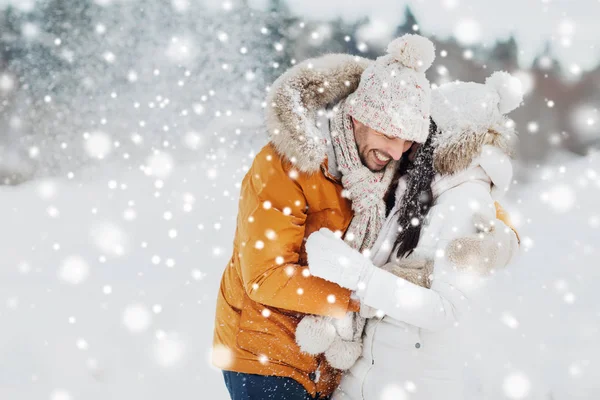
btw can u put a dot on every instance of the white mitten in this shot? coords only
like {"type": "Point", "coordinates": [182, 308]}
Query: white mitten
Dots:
{"type": "Point", "coordinates": [492, 247]}
{"type": "Point", "coordinates": [315, 334]}
{"type": "Point", "coordinates": [330, 258]}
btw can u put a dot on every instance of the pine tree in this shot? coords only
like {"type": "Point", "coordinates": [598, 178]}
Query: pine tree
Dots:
{"type": "Point", "coordinates": [409, 22]}
{"type": "Point", "coordinates": [506, 54]}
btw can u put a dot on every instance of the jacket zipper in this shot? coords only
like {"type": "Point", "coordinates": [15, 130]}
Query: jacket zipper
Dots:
{"type": "Point", "coordinates": [364, 379]}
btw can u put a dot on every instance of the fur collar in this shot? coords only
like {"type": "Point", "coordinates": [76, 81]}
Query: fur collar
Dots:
{"type": "Point", "coordinates": [455, 151]}
{"type": "Point", "coordinates": [298, 97]}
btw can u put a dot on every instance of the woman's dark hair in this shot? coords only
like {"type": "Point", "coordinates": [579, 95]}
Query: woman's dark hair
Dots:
{"type": "Point", "coordinates": [417, 198]}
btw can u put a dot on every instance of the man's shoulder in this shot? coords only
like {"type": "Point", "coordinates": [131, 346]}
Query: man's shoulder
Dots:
{"type": "Point", "coordinates": [268, 159]}
{"type": "Point", "coordinates": [270, 162]}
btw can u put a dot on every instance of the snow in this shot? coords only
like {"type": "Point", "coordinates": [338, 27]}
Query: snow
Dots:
{"type": "Point", "coordinates": [86, 311]}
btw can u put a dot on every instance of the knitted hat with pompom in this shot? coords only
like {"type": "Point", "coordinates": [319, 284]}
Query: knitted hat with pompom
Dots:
{"type": "Point", "coordinates": [393, 96]}
{"type": "Point", "coordinates": [459, 107]}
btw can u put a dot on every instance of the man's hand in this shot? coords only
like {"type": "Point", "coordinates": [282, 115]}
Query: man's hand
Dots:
{"type": "Point", "coordinates": [330, 258]}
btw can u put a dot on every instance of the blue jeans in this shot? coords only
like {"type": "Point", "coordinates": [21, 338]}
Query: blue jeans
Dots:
{"type": "Point", "coordinates": [258, 387]}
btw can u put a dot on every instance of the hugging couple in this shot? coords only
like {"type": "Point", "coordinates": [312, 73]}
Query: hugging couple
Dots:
{"type": "Point", "coordinates": [366, 227]}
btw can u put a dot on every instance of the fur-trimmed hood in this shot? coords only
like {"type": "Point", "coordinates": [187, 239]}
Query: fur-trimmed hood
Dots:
{"type": "Point", "coordinates": [455, 150]}
{"type": "Point", "coordinates": [296, 99]}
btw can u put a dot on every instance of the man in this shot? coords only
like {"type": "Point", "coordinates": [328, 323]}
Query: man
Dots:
{"type": "Point", "coordinates": [310, 176]}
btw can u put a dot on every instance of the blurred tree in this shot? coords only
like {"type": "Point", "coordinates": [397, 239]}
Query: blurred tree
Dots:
{"type": "Point", "coordinates": [343, 39]}
{"type": "Point", "coordinates": [282, 32]}
{"type": "Point", "coordinates": [409, 22]}
{"type": "Point", "coordinates": [505, 55]}
{"type": "Point", "coordinates": [147, 68]}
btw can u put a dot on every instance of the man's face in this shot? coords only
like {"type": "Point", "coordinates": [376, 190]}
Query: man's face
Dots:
{"type": "Point", "coordinates": [376, 150]}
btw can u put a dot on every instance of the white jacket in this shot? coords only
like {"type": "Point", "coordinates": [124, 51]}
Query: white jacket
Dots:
{"type": "Point", "coordinates": [415, 351]}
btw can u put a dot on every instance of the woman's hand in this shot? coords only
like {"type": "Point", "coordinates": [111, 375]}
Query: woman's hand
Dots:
{"type": "Point", "coordinates": [330, 258]}
{"type": "Point", "coordinates": [492, 247]}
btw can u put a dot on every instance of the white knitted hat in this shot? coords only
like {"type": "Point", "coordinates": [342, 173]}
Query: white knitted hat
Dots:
{"type": "Point", "coordinates": [393, 96]}
{"type": "Point", "coordinates": [472, 107]}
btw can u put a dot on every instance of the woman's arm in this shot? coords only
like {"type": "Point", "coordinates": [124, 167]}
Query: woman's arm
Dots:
{"type": "Point", "coordinates": [436, 308]}
{"type": "Point", "coordinates": [432, 309]}
{"type": "Point", "coordinates": [443, 304]}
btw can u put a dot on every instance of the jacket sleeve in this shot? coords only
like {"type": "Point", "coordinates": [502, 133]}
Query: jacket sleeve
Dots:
{"type": "Point", "coordinates": [271, 231]}
{"type": "Point", "coordinates": [442, 305]}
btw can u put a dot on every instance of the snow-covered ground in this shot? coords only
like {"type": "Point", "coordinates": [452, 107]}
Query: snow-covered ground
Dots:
{"type": "Point", "coordinates": [108, 285]}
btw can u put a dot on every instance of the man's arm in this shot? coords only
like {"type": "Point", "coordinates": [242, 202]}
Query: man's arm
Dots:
{"type": "Point", "coordinates": [271, 228]}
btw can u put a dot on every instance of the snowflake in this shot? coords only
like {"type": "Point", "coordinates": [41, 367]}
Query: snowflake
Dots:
{"type": "Point", "coordinates": [136, 318]}
{"type": "Point", "coordinates": [7, 83]}
{"type": "Point", "coordinates": [467, 31]}
{"type": "Point", "coordinates": [180, 5]}
{"type": "Point", "coordinates": [74, 270]}
{"type": "Point", "coordinates": [97, 144]}
{"type": "Point", "coordinates": [82, 344]}
{"type": "Point", "coordinates": [160, 165]}
{"type": "Point", "coordinates": [584, 118]}
{"type": "Point", "coordinates": [198, 275]}
{"type": "Point", "coordinates": [109, 57]}
{"type": "Point", "coordinates": [450, 4]}
{"type": "Point", "coordinates": [109, 238]}
{"type": "Point", "coordinates": [533, 127]}
{"type": "Point", "coordinates": [516, 386]}
{"type": "Point", "coordinates": [193, 140]}
{"type": "Point", "coordinates": [179, 50]}
{"type": "Point", "coordinates": [509, 320]}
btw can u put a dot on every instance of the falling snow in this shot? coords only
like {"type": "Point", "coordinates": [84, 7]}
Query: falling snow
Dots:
{"type": "Point", "coordinates": [131, 140]}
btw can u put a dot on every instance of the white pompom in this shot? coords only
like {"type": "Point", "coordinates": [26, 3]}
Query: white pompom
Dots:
{"type": "Point", "coordinates": [509, 89]}
{"type": "Point", "coordinates": [314, 334]}
{"type": "Point", "coordinates": [343, 354]}
{"type": "Point", "coordinates": [413, 51]}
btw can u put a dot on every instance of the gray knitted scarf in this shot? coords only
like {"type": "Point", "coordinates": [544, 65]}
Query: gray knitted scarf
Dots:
{"type": "Point", "coordinates": [366, 189]}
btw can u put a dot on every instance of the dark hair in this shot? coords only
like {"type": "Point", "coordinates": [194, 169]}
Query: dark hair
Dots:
{"type": "Point", "coordinates": [417, 198]}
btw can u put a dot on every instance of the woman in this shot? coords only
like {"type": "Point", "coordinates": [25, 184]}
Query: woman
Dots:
{"type": "Point", "coordinates": [414, 347]}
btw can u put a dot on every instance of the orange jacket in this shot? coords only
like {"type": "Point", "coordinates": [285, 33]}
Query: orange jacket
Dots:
{"type": "Point", "coordinates": [266, 290]}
